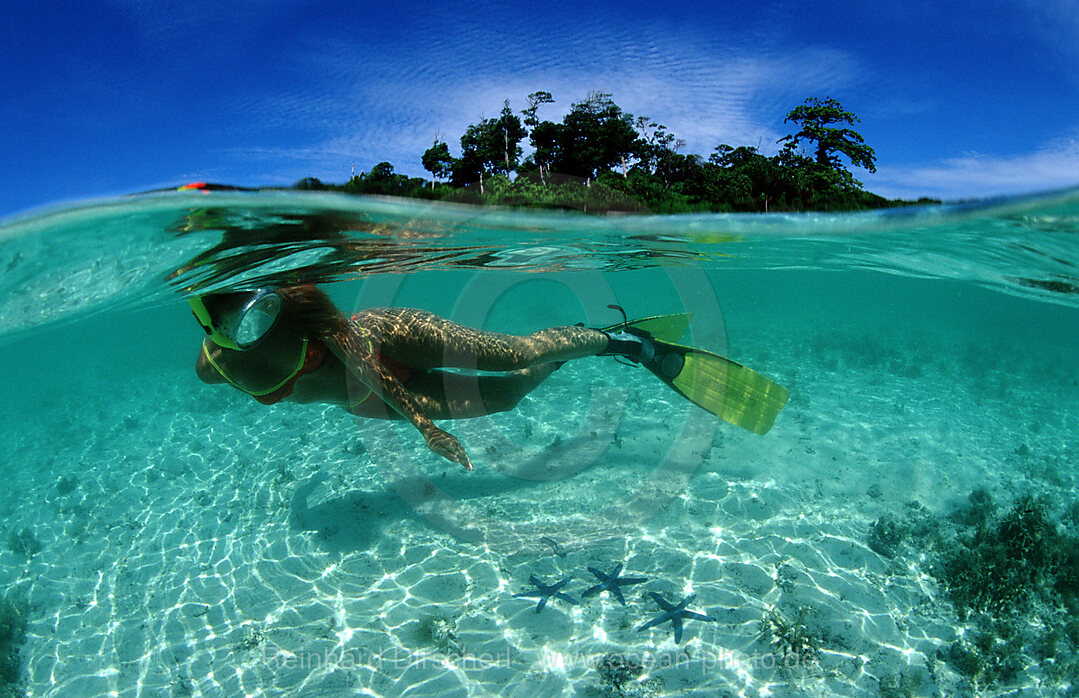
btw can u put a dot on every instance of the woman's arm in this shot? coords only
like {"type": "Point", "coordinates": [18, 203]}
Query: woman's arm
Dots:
{"type": "Point", "coordinates": [356, 351]}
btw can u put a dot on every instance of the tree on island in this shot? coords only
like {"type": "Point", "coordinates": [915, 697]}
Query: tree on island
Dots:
{"type": "Point", "coordinates": [816, 118]}
{"type": "Point", "coordinates": [637, 164]}
{"type": "Point", "coordinates": [596, 135]}
{"type": "Point", "coordinates": [756, 177]}
{"type": "Point", "coordinates": [381, 179]}
{"type": "Point", "coordinates": [654, 144]}
{"type": "Point", "coordinates": [310, 184]}
{"type": "Point", "coordinates": [543, 135]}
{"type": "Point", "coordinates": [547, 149]}
{"type": "Point", "coordinates": [490, 147]}
{"type": "Point", "coordinates": [822, 181]}
{"type": "Point", "coordinates": [438, 161]}
{"type": "Point", "coordinates": [593, 137]}
{"type": "Point", "coordinates": [535, 99]}
{"type": "Point", "coordinates": [510, 132]}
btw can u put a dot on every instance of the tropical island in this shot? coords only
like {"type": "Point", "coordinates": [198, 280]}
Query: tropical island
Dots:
{"type": "Point", "coordinates": [601, 158]}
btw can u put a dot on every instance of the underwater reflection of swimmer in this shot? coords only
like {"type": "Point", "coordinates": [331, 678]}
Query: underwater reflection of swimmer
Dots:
{"type": "Point", "coordinates": [294, 344]}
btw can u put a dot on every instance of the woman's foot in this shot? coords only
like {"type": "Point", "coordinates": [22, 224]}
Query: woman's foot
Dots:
{"type": "Point", "coordinates": [635, 347]}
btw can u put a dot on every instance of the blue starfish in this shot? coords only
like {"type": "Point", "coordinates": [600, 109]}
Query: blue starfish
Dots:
{"type": "Point", "coordinates": [674, 614]}
{"type": "Point", "coordinates": [546, 591]}
{"type": "Point", "coordinates": [611, 582]}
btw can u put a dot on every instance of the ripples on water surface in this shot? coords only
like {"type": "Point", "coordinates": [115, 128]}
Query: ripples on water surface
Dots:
{"type": "Point", "coordinates": [119, 251]}
{"type": "Point", "coordinates": [166, 536]}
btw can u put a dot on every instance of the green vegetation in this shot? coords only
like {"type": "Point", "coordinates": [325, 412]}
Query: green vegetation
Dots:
{"type": "Point", "coordinates": [1012, 576]}
{"type": "Point", "coordinates": [617, 670]}
{"type": "Point", "coordinates": [791, 638]}
{"type": "Point", "coordinates": [441, 633]}
{"type": "Point", "coordinates": [601, 158]}
{"type": "Point", "coordinates": [23, 542]}
{"type": "Point", "coordinates": [906, 684]}
{"type": "Point", "coordinates": [890, 532]}
{"type": "Point", "coordinates": [1006, 565]}
{"type": "Point", "coordinates": [13, 611]}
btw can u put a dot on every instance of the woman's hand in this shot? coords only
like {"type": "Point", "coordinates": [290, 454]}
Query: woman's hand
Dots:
{"type": "Point", "coordinates": [355, 346]}
{"type": "Point", "coordinates": [446, 445]}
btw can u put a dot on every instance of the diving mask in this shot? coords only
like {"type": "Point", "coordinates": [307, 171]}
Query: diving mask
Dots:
{"type": "Point", "coordinates": [237, 321]}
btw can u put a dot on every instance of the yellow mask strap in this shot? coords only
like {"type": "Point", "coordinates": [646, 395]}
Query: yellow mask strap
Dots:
{"type": "Point", "coordinates": [203, 316]}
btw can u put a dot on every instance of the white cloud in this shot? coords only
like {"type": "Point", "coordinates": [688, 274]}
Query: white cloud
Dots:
{"type": "Point", "coordinates": [371, 109]}
{"type": "Point", "coordinates": [1054, 166]}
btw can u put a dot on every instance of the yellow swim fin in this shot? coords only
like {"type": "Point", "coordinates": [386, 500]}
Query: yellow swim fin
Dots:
{"type": "Point", "coordinates": [727, 389]}
{"type": "Point", "coordinates": [667, 328]}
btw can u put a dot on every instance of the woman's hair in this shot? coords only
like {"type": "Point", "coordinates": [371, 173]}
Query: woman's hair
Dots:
{"type": "Point", "coordinates": [308, 310]}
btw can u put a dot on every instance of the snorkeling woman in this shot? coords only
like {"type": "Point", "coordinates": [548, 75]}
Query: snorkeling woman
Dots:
{"type": "Point", "coordinates": [388, 363]}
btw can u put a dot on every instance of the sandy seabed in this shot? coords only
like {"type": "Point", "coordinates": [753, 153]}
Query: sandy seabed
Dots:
{"type": "Point", "coordinates": [199, 544]}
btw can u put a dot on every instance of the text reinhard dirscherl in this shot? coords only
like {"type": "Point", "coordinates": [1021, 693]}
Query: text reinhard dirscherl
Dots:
{"type": "Point", "coordinates": [397, 658]}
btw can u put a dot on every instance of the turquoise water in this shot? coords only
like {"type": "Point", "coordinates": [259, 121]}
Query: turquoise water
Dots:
{"type": "Point", "coordinates": [165, 537]}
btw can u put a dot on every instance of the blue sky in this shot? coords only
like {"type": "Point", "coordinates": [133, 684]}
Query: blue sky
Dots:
{"type": "Point", "coordinates": [959, 99]}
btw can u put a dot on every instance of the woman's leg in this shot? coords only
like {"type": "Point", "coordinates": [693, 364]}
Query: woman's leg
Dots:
{"type": "Point", "coordinates": [424, 340]}
{"type": "Point", "coordinates": [446, 395]}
